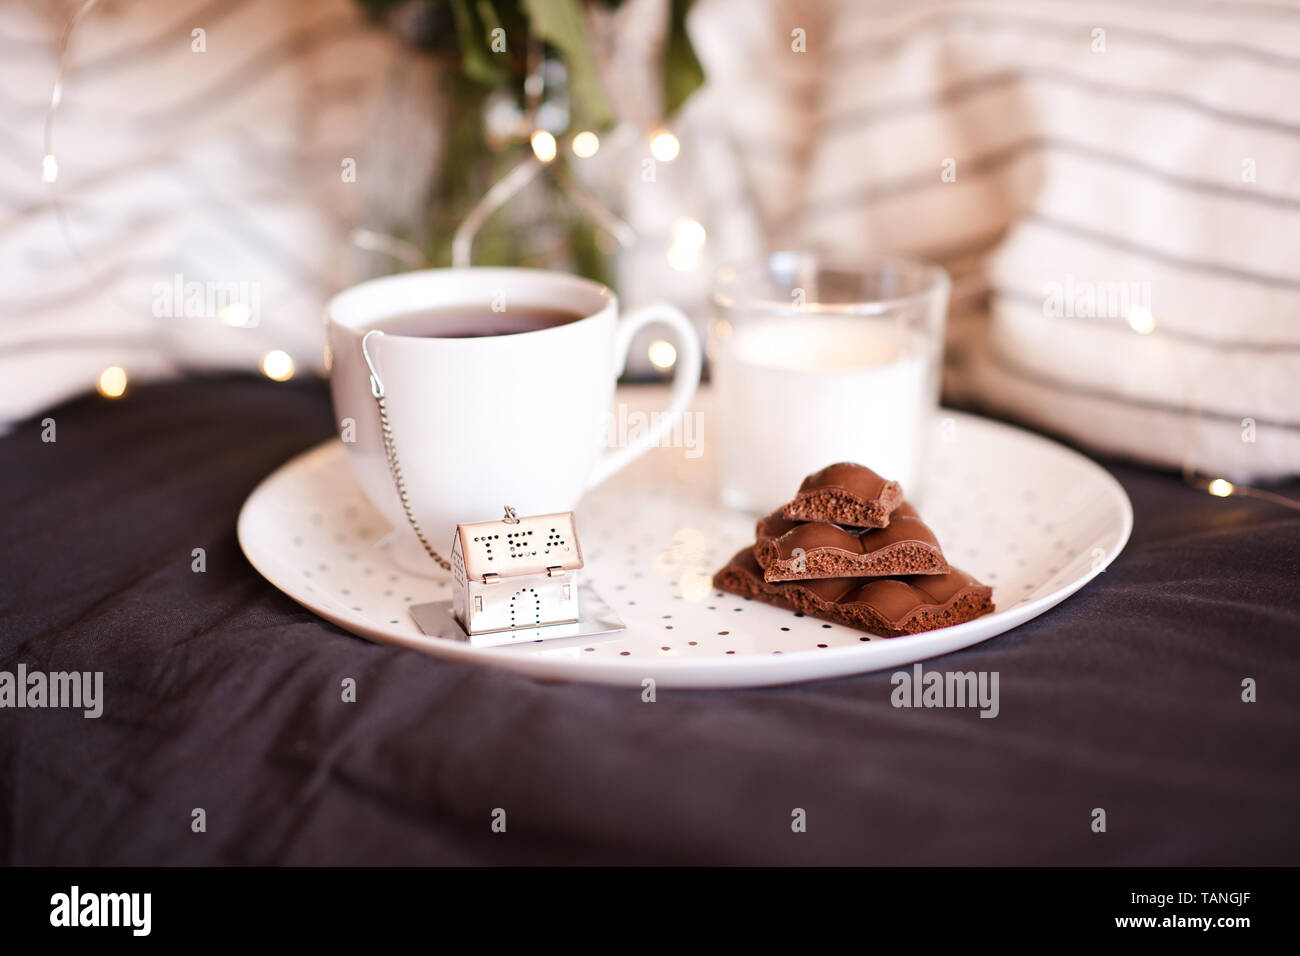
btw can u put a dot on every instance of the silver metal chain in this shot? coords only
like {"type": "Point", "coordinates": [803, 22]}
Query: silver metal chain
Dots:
{"type": "Point", "coordinates": [390, 451]}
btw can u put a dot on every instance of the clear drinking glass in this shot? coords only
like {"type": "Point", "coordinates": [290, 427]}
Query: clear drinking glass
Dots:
{"type": "Point", "coordinates": [818, 360]}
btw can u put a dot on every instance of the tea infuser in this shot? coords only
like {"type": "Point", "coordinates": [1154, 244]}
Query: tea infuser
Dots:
{"type": "Point", "coordinates": [390, 450]}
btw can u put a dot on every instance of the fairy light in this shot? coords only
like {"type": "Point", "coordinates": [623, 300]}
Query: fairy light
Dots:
{"type": "Point", "coordinates": [49, 168]}
{"type": "Point", "coordinates": [236, 314]}
{"type": "Point", "coordinates": [1221, 488]}
{"type": "Point", "coordinates": [663, 355]}
{"type": "Point", "coordinates": [664, 146]}
{"type": "Point", "coordinates": [1141, 321]}
{"type": "Point", "coordinates": [683, 258]}
{"type": "Point", "coordinates": [688, 233]}
{"type": "Point", "coordinates": [112, 382]}
{"type": "Point", "coordinates": [586, 144]}
{"type": "Point", "coordinates": [277, 365]}
{"type": "Point", "coordinates": [543, 145]}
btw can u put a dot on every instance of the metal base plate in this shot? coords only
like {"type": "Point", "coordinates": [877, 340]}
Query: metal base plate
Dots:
{"type": "Point", "coordinates": [595, 618]}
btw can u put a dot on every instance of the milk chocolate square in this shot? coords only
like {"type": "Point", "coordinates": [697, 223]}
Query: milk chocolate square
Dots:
{"type": "Point", "coordinates": [912, 604]}
{"type": "Point", "coordinates": [743, 576]}
{"type": "Point", "coordinates": [796, 550]}
{"type": "Point", "coordinates": [845, 493]}
{"type": "Point", "coordinates": [890, 607]}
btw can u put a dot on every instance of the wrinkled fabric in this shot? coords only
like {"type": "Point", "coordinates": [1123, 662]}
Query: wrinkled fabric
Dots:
{"type": "Point", "coordinates": [222, 694]}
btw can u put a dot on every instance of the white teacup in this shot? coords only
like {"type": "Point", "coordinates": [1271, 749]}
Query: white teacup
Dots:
{"type": "Point", "coordinates": [479, 423]}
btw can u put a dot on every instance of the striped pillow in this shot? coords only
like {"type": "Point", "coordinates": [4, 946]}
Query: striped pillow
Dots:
{"type": "Point", "coordinates": [1115, 187]}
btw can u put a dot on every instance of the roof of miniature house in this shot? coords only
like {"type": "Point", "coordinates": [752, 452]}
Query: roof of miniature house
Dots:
{"type": "Point", "coordinates": [529, 546]}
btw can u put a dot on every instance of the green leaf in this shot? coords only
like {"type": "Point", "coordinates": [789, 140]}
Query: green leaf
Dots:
{"type": "Point", "coordinates": [488, 15]}
{"type": "Point", "coordinates": [376, 9]}
{"type": "Point", "coordinates": [559, 23]}
{"type": "Point", "coordinates": [477, 59]}
{"type": "Point", "coordinates": [682, 73]}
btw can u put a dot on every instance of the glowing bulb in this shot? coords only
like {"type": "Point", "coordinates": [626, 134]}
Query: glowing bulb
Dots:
{"type": "Point", "coordinates": [1221, 488]}
{"type": "Point", "coordinates": [688, 234]}
{"type": "Point", "coordinates": [277, 365]}
{"type": "Point", "coordinates": [112, 382]}
{"type": "Point", "coordinates": [585, 144]}
{"type": "Point", "coordinates": [236, 314]}
{"type": "Point", "coordinates": [543, 145]}
{"type": "Point", "coordinates": [683, 258]}
{"type": "Point", "coordinates": [1141, 320]}
{"type": "Point", "coordinates": [664, 146]}
{"type": "Point", "coordinates": [49, 168]}
{"type": "Point", "coordinates": [662, 354]}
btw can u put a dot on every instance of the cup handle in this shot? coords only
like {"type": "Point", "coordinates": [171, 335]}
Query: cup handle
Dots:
{"type": "Point", "coordinates": [686, 379]}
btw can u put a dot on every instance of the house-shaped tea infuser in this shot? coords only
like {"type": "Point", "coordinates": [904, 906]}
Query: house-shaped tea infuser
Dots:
{"type": "Point", "coordinates": [516, 572]}
{"type": "Point", "coordinates": [517, 580]}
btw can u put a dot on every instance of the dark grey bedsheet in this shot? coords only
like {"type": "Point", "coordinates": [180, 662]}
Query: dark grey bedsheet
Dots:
{"type": "Point", "coordinates": [223, 694]}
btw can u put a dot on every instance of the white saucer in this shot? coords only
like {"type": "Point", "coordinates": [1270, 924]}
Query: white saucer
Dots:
{"type": "Point", "coordinates": [1032, 518]}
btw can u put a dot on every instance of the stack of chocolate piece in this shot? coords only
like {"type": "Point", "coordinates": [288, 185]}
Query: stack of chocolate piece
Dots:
{"type": "Point", "coordinates": [849, 549]}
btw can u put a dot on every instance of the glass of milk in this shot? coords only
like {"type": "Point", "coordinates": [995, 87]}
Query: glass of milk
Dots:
{"type": "Point", "coordinates": [817, 360]}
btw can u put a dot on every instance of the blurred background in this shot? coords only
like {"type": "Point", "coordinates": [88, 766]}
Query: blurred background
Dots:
{"type": "Point", "coordinates": [1114, 187]}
